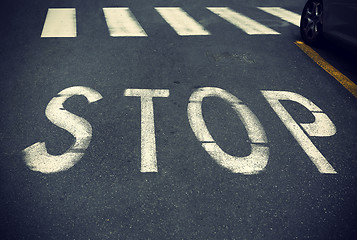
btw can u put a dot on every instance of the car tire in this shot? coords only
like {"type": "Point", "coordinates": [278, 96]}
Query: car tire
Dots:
{"type": "Point", "coordinates": [311, 23]}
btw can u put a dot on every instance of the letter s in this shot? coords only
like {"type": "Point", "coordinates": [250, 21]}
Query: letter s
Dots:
{"type": "Point", "coordinates": [36, 156]}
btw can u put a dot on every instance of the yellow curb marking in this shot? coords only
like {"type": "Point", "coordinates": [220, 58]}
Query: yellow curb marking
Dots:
{"type": "Point", "coordinates": [345, 81]}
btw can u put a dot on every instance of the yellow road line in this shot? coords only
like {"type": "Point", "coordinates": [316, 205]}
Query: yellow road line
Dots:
{"type": "Point", "coordinates": [345, 81]}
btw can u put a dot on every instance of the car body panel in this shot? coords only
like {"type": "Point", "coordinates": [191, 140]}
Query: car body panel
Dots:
{"type": "Point", "coordinates": [340, 20]}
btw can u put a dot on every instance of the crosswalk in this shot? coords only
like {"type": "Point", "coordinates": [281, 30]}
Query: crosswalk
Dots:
{"type": "Point", "coordinates": [247, 24]}
{"type": "Point", "coordinates": [283, 14]}
{"type": "Point", "coordinates": [181, 22]}
{"type": "Point", "coordinates": [121, 22]}
{"type": "Point", "coordinates": [60, 22]}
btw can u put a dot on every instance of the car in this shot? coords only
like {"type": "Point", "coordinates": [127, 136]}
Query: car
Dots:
{"type": "Point", "coordinates": [329, 19]}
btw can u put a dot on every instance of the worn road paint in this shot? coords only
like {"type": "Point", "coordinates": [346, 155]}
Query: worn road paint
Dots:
{"type": "Point", "coordinates": [345, 81]}
{"type": "Point", "coordinates": [122, 23]}
{"type": "Point", "coordinates": [148, 144]}
{"type": "Point", "coordinates": [181, 22]}
{"type": "Point", "coordinates": [251, 164]}
{"type": "Point", "coordinates": [36, 156]}
{"type": "Point", "coordinates": [60, 22]}
{"type": "Point", "coordinates": [322, 126]}
{"type": "Point", "coordinates": [248, 25]}
{"type": "Point", "coordinates": [283, 14]}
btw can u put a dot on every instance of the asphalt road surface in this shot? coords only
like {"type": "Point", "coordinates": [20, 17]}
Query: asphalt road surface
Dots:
{"type": "Point", "coordinates": [171, 120]}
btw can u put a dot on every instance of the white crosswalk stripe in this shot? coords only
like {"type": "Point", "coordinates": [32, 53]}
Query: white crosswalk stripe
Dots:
{"type": "Point", "coordinates": [181, 22]}
{"type": "Point", "coordinates": [60, 22]}
{"type": "Point", "coordinates": [122, 23]}
{"type": "Point", "coordinates": [248, 25]}
{"type": "Point", "coordinates": [284, 14]}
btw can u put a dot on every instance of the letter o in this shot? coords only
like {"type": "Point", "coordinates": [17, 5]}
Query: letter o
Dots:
{"type": "Point", "coordinates": [251, 164]}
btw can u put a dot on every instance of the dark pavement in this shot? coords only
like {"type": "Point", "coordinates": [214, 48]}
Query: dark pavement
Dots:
{"type": "Point", "coordinates": [105, 195]}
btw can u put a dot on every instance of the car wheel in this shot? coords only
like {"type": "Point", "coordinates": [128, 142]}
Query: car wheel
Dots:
{"type": "Point", "coordinates": [311, 23]}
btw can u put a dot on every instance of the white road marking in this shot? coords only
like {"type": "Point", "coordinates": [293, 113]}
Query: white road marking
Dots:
{"type": "Point", "coordinates": [122, 23]}
{"type": "Point", "coordinates": [148, 144]}
{"type": "Point", "coordinates": [60, 22]}
{"type": "Point", "coordinates": [181, 22]}
{"type": "Point", "coordinates": [248, 25]}
{"type": "Point", "coordinates": [36, 156]}
{"type": "Point", "coordinates": [284, 14]}
{"type": "Point", "coordinates": [251, 164]}
{"type": "Point", "coordinates": [322, 126]}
